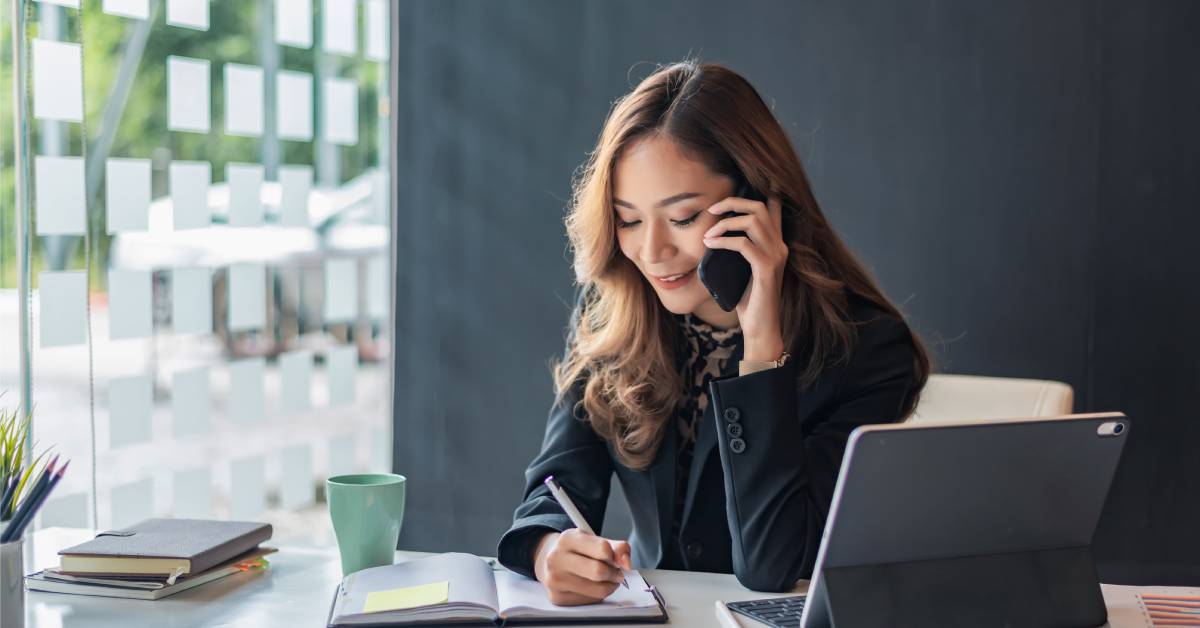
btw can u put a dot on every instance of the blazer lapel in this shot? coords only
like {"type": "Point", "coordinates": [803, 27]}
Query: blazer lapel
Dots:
{"type": "Point", "coordinates": [706, 435]}
{"type": "Point", "coordinates": [663, 471]}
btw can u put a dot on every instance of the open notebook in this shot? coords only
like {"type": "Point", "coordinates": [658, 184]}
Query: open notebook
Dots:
{"type": "Point", "coordinates": [462, 588]}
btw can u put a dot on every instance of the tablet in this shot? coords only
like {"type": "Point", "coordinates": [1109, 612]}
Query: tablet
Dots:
{"type": "Point", "coordinates": [967, 523]}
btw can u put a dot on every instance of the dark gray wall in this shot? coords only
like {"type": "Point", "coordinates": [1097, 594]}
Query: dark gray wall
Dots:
{"type": "Point", "coordinates": [1021, 176]}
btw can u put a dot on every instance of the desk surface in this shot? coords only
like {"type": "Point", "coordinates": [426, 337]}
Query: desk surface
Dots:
{"type": "Point", "coordinates": [299, 586]}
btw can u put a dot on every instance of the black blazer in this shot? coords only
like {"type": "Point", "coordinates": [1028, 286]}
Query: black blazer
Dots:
{"type": "Point", "coordinates": [756, 510]}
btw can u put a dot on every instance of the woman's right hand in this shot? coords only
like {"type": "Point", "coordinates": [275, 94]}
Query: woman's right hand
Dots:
{"type": "Point", "coordinates": [579, 568]}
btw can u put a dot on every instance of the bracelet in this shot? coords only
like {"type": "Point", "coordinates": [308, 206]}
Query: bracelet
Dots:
{"type": "Point", "coordinates": [746, 367]}
{"type": "Point", "coordinates": [781, 361]}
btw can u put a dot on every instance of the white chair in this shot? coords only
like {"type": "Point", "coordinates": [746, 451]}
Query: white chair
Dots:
{"type": "Point", "coordinates": [959, 397]}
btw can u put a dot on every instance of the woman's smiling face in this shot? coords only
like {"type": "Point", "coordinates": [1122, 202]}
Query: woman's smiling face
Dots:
{"type": "Point", "coordinates": [660, 202]}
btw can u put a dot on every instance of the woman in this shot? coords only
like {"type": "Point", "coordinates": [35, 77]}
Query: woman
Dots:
{"type": "Point", "coordinates": [725, 429]}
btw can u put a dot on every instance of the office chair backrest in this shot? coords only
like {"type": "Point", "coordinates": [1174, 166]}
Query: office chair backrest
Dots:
{"type": "Point", "coordinates": [958, 397]}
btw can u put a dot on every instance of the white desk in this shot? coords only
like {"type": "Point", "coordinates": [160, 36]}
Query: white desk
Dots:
{"type": "Point", "coordinates": [296, 591]}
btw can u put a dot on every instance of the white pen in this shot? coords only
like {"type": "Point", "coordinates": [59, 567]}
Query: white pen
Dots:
{"type": "Point", "coordinates": [576, 517]}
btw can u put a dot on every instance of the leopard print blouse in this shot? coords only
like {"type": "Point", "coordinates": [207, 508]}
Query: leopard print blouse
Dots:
{"type": "Point", "coordinates": [709, 350]}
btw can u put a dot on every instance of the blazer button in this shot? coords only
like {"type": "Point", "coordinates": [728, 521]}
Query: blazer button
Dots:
{"type": "Point", "coordinates": [694, 549]}
{"type": "Point", "coordinates": [733, 429]}
{"type": "Point", "coordinates": [732, 414]}
{"type": "Point", "coordinates": [737, 445]}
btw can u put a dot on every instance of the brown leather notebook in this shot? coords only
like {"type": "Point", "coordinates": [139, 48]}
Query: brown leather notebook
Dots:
{"type": "Point", "coordinates": [163, 547]}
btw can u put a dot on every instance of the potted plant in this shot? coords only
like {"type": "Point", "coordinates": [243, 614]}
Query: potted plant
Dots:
{"type": "Point", "coordinates": [15, 475]}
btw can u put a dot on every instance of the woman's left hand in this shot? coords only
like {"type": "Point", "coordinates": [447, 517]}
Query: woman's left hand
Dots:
{"type": "Point", "coordinates": [759, 309]}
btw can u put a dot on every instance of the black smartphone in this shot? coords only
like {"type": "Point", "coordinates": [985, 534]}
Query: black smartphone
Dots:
{"type": "Point", "coordinates": [726, 273]}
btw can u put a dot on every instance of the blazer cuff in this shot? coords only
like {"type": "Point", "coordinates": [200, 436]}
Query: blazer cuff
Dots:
{"type": "Point", "coordinates": [516, 548]}
{"type": "Point", "coordinates": [763, 403]}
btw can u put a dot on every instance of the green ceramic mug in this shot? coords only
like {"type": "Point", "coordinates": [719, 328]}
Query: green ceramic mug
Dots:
{"type": "Point", "coordinates": [366, 510]}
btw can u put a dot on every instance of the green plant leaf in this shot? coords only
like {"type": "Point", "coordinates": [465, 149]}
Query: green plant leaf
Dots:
{"type": "Point", "coordinates": [24, 481]}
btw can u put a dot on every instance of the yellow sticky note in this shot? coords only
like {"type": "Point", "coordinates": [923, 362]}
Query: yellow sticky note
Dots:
{"type": "Point", "coordinates": [407, 597]}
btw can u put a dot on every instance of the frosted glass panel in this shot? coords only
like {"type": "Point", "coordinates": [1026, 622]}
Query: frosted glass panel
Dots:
{"type": "Point", "coordinates": [247, 401]}
{"type": "Point", "coordinates": [381, 448]}
{"type": "Point", "coordinates": [187, 94]}
{"type": "Point", "coordinates": [293, 105]}
{"type": "Point", "coordinates": [132, 502]}
{"type": "Point", "coordinates": [193, 494]}
{"type": "Point", "coordinates": [340, 21]}
{"type": "Point", "coordinates": [248, 488]}
{"type": "Point", "coordinates": [130, 402]}
{"type": "Point", "coordinates": [62, 308]}
{"type": "Point", "coordinates": [139, 9]}
{"type": "Point", "coordinates": [68, 511]}
{"type": "Point", "coordinates": [127, 185]}
{"type": "Point", "coordinates": [247, 297]}
{"type": "Point", "coordinates": [189, 194]}
{"type": "Point", "coordinates": [57, 80]}
{"type": "Point", "coordinates": [59, 199]}
{"type": "Point", "coordinates": [341, 290]}
{"type": "Point", "coordinates": [296, 369]}
{"type": "Point", "coordinates": [342, 454]}
{"type": "Point", "coordinates": [191, 300]}
{"type": "Point", "coordinates": [377, 27]}
{"type": "Point", "coordinates": [342, 370]}
{"type": "Point", "coordinates": [381, 197]}
{"type": "Point", "coordinates": [293, 23]}
{"type": "Point", "coordinates": [245, 195]}
{"type": "Point", "coordinates": [297, 477]}
{"type": "Point", "coordinates": [243, 99]}
{"type": "Point", "coordinates": [339, 111]}
{"type": "Point", "coordinates": [295, 183]}
{"type": "Point", "coordinates": [191, 401]}
{"type": "Point", "coordinates": [188, 13]}
{"type": "Point", "coordinates": [129, 313]}
{"type": "Point", "coordinates": [377, 288]}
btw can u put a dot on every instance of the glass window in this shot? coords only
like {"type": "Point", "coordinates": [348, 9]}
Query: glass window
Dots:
{"type": "Point", "coordinates": [207, 231]}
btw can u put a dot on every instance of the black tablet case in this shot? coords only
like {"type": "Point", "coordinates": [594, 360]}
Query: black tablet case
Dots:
{"type": "Point", "coordinates": [978, 525]}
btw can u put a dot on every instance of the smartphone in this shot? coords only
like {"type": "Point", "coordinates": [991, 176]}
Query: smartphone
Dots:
{"type": "Point", "coordinates": [726, 273]}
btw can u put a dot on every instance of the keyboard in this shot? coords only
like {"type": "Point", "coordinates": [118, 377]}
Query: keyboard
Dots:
{"type": "Point", "coordinates": [780, 612]}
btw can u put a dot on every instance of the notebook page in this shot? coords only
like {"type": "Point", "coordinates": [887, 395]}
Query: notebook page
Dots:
{"type": "Point", "coordinates": [522, 597]}
{"type": "Point", "coordinates": [471, 592]}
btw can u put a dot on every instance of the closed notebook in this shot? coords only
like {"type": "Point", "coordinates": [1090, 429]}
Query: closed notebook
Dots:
{"type": "Point", "coordinates": [56, 582]}
{"type": "Point", "coordinates": [462, 588]}
{"type": "Point", "coordinates": [163, 547]}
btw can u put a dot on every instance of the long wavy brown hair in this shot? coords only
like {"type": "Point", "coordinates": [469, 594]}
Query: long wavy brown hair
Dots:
{"type": "Point", "coordinates": [623, 342]}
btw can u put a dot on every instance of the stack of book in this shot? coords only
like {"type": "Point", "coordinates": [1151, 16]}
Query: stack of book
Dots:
{"type": "Point", "coordinates": [156, 558]}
